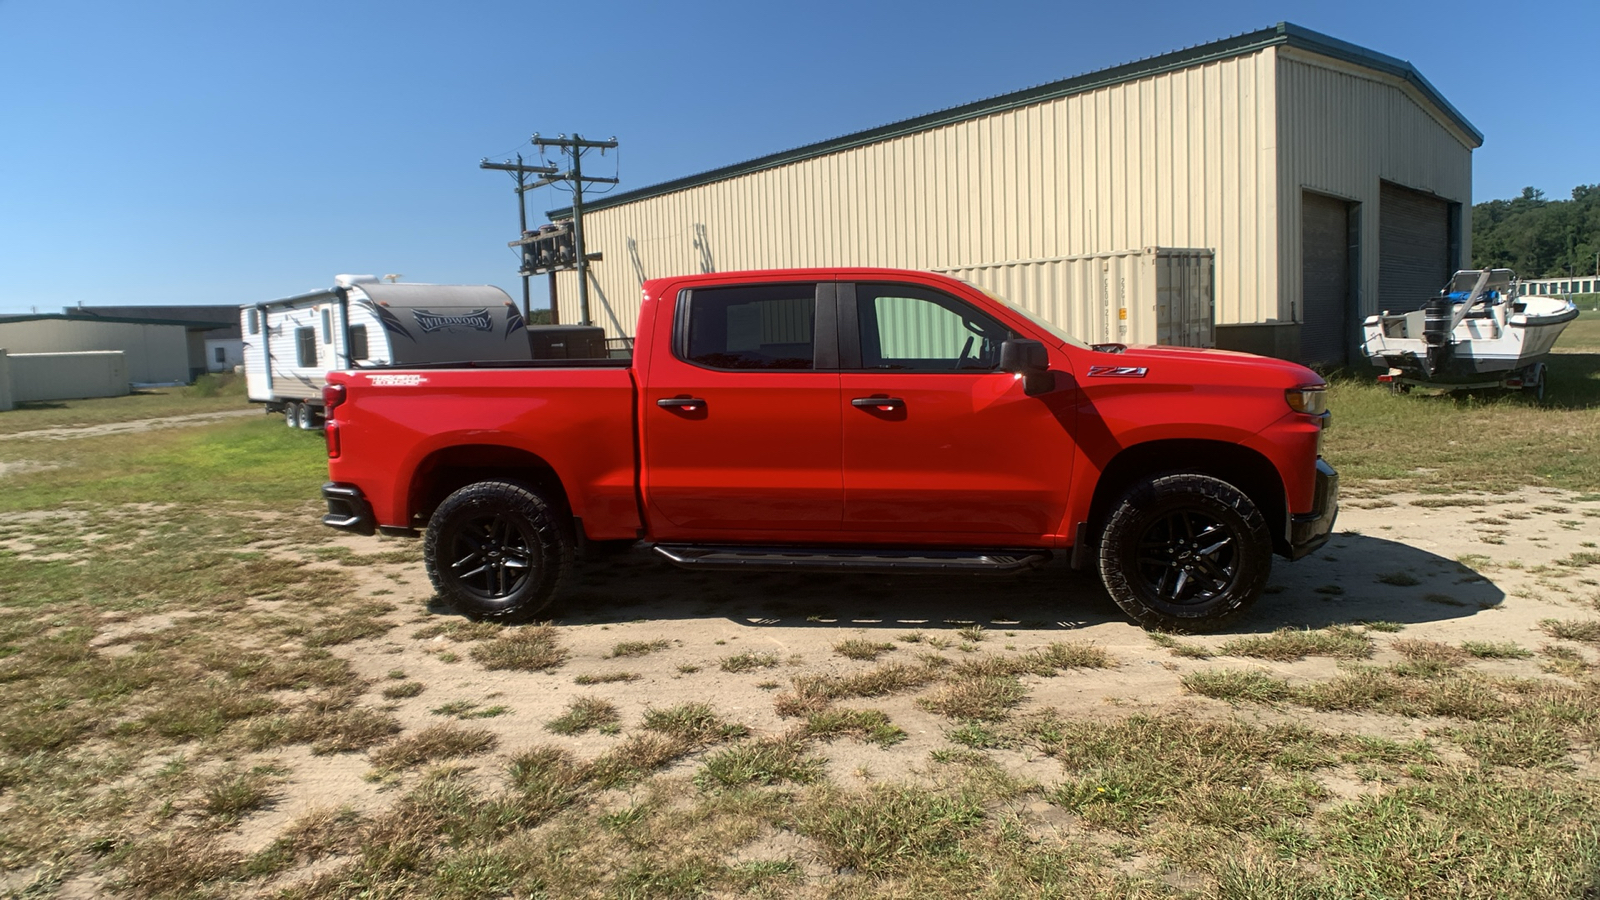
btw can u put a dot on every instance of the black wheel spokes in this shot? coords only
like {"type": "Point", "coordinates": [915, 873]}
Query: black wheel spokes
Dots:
{"type": "Point", "coordinates": [1187, 557]}
{"type": "Point", "coordinates": [492, 557]}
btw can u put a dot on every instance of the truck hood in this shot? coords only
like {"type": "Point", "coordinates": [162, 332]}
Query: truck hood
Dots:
{"type": "Point", "coordinates": [1170, 363]}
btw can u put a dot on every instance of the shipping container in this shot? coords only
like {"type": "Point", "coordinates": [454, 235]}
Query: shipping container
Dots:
{"type": "Point", "coordinates": [1154, 295]}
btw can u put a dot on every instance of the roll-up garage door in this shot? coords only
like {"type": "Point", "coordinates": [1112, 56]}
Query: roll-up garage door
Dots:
{"type": "Point", "coordinates": [1325, 237]}
{"type": "Point", "coordinates": [1413, 248]}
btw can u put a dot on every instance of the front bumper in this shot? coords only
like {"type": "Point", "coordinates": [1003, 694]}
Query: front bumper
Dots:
{"type": "Point", "coordinates": [1308, 531]}
{"type": "Point", "coordinates": [348, 509]}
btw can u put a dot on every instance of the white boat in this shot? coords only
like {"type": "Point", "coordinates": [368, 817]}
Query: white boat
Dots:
{"type": "Point", "coordinates": [1476, 334]}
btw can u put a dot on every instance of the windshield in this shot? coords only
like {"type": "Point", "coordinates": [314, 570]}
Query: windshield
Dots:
{"type": "Point", "coordinates": [1043, 325]}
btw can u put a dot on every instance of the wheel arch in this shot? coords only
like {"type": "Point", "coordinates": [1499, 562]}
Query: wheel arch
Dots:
{"type": "Point", "coordinates": [1244, 468]}
{"type": "Point", "coordinates": [448, 469]}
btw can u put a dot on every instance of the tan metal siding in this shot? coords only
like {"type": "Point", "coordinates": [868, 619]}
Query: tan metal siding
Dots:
{"type": "Point", "coordinates": [1185, 159]}
{"type": "Point", "coordinates": [155, 354]}
{"type": "Point", "coordinates": [68, 376]}
{"type": "Point", "coordinates": [1157, 295]}
{"type": "Point", "coordinates": [1343, 131]}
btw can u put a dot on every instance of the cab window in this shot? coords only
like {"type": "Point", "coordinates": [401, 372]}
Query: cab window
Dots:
{"type": "Point", "coordinates": [912, 328]}
{"type": "Point", "coordinates": [767, 326]}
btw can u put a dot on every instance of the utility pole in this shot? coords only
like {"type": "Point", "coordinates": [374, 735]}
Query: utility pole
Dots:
{"type": "Point", "coordinates": [574, 148]}
{"type": "Point", "coordinates": [521, 172]}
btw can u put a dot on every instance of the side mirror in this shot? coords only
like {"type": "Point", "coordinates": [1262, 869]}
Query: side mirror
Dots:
{"type": "Point", "coordinates": [1030, 360]}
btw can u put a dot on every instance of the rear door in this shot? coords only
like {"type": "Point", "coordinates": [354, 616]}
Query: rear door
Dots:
{"type": "Point", "coordinates": [740, 420]}
{"type": "Point", "coordinates": [938, 442]}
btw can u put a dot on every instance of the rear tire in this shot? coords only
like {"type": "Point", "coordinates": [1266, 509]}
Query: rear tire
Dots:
{"type": "Point", "coordinates": [497, 550]}
{"type": "Point", "coordinates": [291, 414]}
{"type": "Point", "coordinates": [1185, 553]}
{"type": "Point", "coordinates": [306, 416]}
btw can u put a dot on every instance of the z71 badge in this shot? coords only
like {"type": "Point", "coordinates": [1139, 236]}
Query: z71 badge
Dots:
{"type": "Point", "coordinates": [1118, 371]}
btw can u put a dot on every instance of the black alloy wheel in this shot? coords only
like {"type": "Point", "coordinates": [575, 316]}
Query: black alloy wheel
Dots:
{"type": "Point", "coordinates": [496, 549]}
{"type": "Point", "coordinates": [1185, 552]}
{"type": "Point", "coordinates": [491, 556]}
{"type": "Point", "coordinates": [1188, 557]}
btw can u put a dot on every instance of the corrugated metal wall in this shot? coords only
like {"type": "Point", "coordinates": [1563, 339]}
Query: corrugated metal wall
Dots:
{"type": "Point", "coordinates": [1343, 131]}
{"type": "Point", "coordinates": [156, 354]}
{"type": "Point", "coordinates": [1156, 295]}
{"type": "Point", "coordinates": [7, 400]}
{"type": "Point", "coordinates": [1182, 159]}
{"type": "Point", "coordinates": [68, 376]}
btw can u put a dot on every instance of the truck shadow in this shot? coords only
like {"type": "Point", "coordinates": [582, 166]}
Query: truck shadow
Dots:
{"type": "Point", "coordinates": [1354, 579]}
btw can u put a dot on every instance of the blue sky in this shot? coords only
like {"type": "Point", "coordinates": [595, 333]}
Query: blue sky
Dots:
{"type": "Point", "coordinates": [228, 152]}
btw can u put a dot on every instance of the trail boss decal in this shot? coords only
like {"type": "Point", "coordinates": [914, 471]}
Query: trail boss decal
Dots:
{"type": "Point", "coordinates": [396, 380]}
{"type": "Point", "coordinates": [1118, 371]}
{"type": "Point", "coordinates": [477, 320]}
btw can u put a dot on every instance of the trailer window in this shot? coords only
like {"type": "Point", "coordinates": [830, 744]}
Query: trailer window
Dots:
{"type": "Point", "coordinates": [327, 327]}
{"type": "Point", "coordinates": [306, 343]}
{"type": "Point", "coordinates": [358, 342]}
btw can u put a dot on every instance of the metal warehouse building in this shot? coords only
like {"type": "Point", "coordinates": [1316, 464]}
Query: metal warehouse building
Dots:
{"type": "Point", "coordinates": [1326, 181]}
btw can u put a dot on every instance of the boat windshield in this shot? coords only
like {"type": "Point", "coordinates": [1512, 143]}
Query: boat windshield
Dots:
{"type": "Point", "coordinates": [1467, 279]}
{"type": "Point", "coordinates": [1041, 323]}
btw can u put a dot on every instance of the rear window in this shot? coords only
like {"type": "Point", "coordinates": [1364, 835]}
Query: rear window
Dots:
{"type": "Point", "coordinates": [765, 326]}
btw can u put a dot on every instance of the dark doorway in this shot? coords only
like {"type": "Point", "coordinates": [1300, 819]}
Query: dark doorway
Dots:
{"type": "Point", "coordinates": [1414, 247]}
{"type": "Point", "coordinates": [1326, 321]}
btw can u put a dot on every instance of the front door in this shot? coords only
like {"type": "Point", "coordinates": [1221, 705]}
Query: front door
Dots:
{"type": "Point", "coordinates": [938, 442]}
{"type": "Point", "coordinates": [740, 427]}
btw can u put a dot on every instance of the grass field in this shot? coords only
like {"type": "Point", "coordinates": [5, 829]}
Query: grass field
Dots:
{"type": "Point", "coordinates": [212, 393]}
{"type": "Point", "coordinates": [179, 639]}
{"type": "Point", "coordinates": [1490, 441]}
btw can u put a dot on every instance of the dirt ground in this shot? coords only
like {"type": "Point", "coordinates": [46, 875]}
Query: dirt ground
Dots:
{"type": "Point", "coordinates": [73, 432]}
{"type": "Point", "coordinates": [1397, 560]}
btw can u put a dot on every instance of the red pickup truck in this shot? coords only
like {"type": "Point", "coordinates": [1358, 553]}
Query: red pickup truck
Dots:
{"type": "Point", "coordinates": [858, 419]}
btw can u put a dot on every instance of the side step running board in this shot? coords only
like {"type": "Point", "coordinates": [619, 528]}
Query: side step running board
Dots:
{"type": "Point", "coordinates": [868, 560]}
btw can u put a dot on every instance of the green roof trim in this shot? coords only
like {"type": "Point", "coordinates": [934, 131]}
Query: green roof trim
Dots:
{"type": "Point", "coordinates": [121, 320]}
{"type": "Point", "coordinates": [1282, 34]}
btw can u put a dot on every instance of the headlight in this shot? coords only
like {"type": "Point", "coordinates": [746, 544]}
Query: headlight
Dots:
{"type": "Point", "coordinates": [1309, 399]}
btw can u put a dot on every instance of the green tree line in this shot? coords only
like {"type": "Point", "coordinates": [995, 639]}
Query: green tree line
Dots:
{"type": "Point", "coordinates": [1538, 237]}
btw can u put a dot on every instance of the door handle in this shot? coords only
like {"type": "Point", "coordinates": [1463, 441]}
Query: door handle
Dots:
{"type": "Point", "coordinates": [881, 404]}
{"type": "Point", "coordinates": [687, 404]}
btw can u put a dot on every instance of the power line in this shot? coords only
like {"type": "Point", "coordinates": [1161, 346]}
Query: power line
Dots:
{"type": "Point", "coordinates": [520, 172]}
{"type": "Point", "coordinates": [573, 148]}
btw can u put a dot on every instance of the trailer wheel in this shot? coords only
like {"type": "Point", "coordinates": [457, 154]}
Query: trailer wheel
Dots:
{"type": "Point", "coordinates": [306, 416]}
{"type": "Point", "coordinates": [497, 550]}
{"type": "Point", "coordinates": [291, 414]}
{"type": "Point", "coordinates": [1185, 552]}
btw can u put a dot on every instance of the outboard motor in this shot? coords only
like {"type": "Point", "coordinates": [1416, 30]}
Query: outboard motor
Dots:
{"type": "Point", "coordinates": [1437, 318]}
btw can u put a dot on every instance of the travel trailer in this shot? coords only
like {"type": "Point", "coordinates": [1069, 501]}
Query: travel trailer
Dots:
{"type": "Point", "coordinates": [290, 345]}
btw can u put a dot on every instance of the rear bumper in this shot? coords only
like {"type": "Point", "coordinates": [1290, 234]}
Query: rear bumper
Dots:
{"type": "Point", "coordinates": [348, 509]}
{"type": "Point", "coordinates": [1308, 531]}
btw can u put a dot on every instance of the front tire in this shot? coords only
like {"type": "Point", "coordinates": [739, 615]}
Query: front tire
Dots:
{"type": "Point", "coordinates": [306, 416]}
{"type": "Point", "coordinates": [1185, 553]}
{"type": "Point", "coordinates": [497, 550]}
{"type": "Point", "coordinates": [291, 414]}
